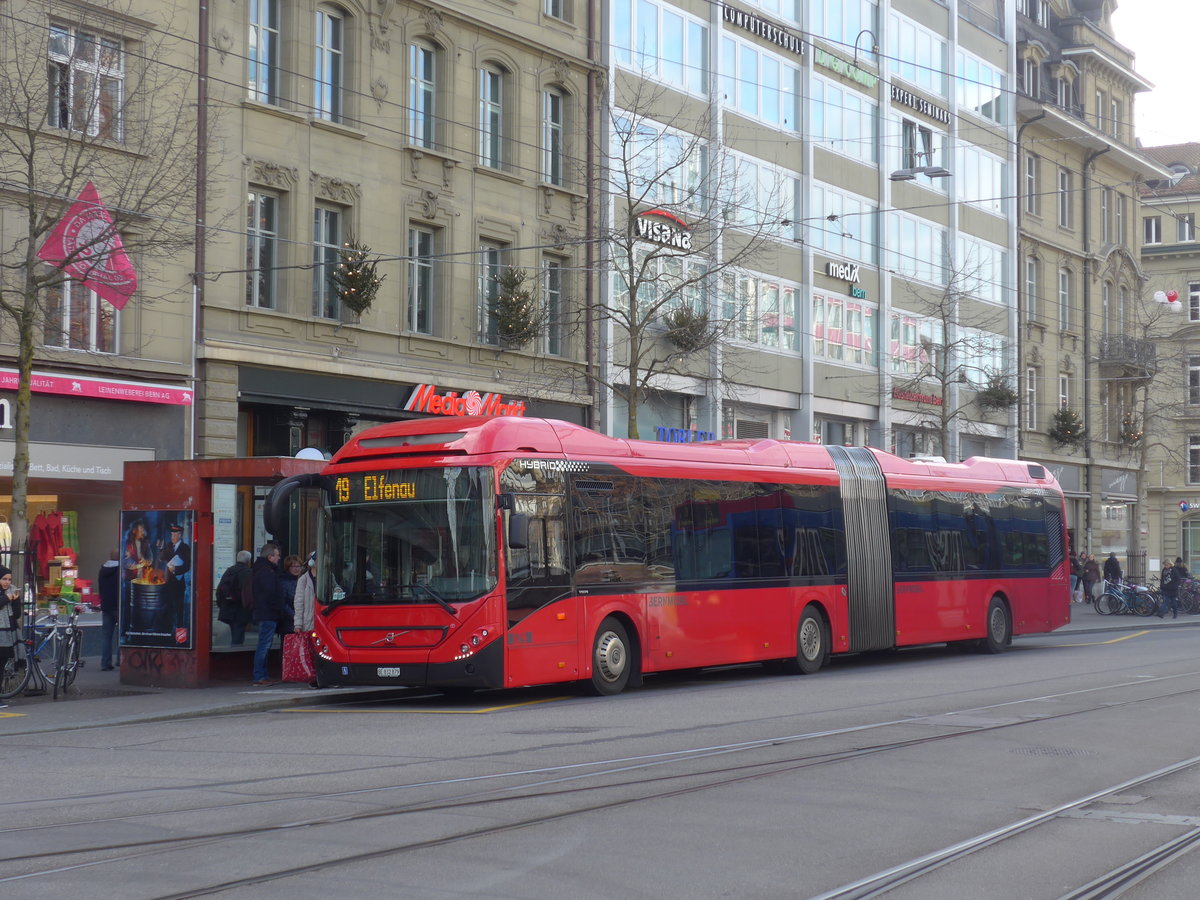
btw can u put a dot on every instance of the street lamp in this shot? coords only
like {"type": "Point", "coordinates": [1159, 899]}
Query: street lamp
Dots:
{"type": "Point", "coordinates": [911, 172]}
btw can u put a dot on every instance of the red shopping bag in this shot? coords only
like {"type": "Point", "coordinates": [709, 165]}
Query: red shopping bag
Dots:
{"type": "Point", "coordinates": [298, 659]}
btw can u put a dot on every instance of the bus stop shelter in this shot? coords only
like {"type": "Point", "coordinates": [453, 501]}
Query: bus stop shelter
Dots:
{"type": "Point", "coordinates": [168, 529]}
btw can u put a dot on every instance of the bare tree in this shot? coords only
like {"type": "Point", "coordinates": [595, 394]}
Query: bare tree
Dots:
{"type": "Point", "coordinates": [83, 99]}
{"type": "Point", "coordinates": [959, 366]}
{"type": "Point", "coordinates": [687, 216]}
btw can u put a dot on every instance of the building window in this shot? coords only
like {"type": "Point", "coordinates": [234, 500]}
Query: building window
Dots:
{"type": "Point", "coordinates": [87, 82]}
{"type": "Point", "coordinates": [1064, 198]}
{"type": "Point", "coordinates": [422, 95]}
{"type": "Point", "coordinates": [1064, 299]}
{"type": "Point", "coordinates": [558, 9]}
{"type": "Point", "coordinates": [1064, 391]}
{"type": "Point", "coordinates": [1115, 116]}
{"type": "Point", "coordinates": [1106, 214]}
{"type": "Point", "coordinates": [553, 129]}
{"type": "Point", "coordinates": [1152, 230]}
{"type": "Point", "coordinates": [327, 240]}
{"type": "Point", "coordinates": [1119, 230]}
{"type": "Point", "coordinates": [491, 117]}
{"type": "Point", "coordinates": [1194, 301]}
{"type": "Point", "coordinates": [1101, 107]}
{"type": "Point", "coordinates": [552, 304]}
{"type": "Point", "coordinates": [1064, 94]}
{"type": "Point", "coordinates": [263, 54]}
{"type": "Point", "coordinates": [1194, 380]}
{"type": "Point", "coordinates": [1028, 77]}
{"type": "Point", "coordinates": [1031, 184]}
{"type": "Point", "coordinates": [262, 246]}
{"type": "Point", "coordinates": [327, 65]}
{"type": "Point", "coordinates": [917, 145]}
{"type": "Point", "coordinates": [917, 54]}
{"type": "Point", "coordinates": [491, 261]}
{"type": "Point", "coordinates": [1031, 288]}
{"type": "Point", "coordinates": [662, 43]}
{"type": "Point", "coordinates": [1194, 459]}
{"type": "Point", "coordinates": [421, 275]}
{"type": "Point", "coordinates": [1031, 398]}
{"type": "Point", "coordinates": [76, 318]}
{"type": "Point", "coordinates": [1186, 225]}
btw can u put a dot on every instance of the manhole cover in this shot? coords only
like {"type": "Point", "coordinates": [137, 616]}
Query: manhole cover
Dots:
{"type": "Point", "coordinates": [1052, 751]}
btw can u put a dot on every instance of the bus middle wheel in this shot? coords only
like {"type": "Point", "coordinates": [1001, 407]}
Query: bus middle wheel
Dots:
{"type": "Point", "coordinates": [812, 641]}
{"type": "Point", "coordinates": [611, 659]}
{"type": "Point", "coordinates": [997, 628]}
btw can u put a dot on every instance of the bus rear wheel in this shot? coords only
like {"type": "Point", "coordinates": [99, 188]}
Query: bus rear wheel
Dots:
{"type": "Point", "coordinates": [812, 641]}
{"type": "Point", "coordinates": [997, 628]}
{"type": "Point", "coordinates": [611, 660]}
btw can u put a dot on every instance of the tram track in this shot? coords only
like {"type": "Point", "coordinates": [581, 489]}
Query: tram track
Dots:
{"type": "Point", "coordinates": [562, 783]}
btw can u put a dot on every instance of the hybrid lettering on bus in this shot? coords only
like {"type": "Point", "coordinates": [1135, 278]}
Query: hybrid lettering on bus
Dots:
{"type": "Point", "coordinates": [492, 552]}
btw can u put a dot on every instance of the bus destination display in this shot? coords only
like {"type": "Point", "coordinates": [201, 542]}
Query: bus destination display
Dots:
{"type": "Point", "coordinates": [372, 487]}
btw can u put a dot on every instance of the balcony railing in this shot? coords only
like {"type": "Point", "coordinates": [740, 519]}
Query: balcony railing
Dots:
{"type": "Point", "coordinates": [1134, 355]}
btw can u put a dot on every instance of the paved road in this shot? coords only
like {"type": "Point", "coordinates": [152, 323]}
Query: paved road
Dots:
{"type": "Point", "coordinates": [725, 783]}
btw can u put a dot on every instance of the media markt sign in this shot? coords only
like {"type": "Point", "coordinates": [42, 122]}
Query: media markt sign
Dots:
{"type": "Point", "coordinates": [426, 399]}
{"type": "Point", "coordinates": [663, 228]}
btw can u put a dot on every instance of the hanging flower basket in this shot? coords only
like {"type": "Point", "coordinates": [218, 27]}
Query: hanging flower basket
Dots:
{"type": "Point", "coordinates": [1131, 432]}
{"type": "Point", "coordinates": [998, 394]}
{"type": "Point", "coordinates": [513, 308]}
{"type": "Point", "coordinates": [1067, 428]}
{"type": "Point", "coordinates": [354, 277]}
{"type": "Point", "coordinates": [687, 328]}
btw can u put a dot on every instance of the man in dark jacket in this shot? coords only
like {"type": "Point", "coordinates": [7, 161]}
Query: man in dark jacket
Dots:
{"type": "Point", "coordinates": [108, 584]}
{"type": "Point", "coordinates": [232, 590]}
{"type": "Point", "coordinates": [268, 606]}
{"type": "Point", "coordinates": [1112, 569]}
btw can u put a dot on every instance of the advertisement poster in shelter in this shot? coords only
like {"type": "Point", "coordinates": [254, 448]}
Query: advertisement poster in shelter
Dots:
{"type": "Point", "coordinates": [157, 608]}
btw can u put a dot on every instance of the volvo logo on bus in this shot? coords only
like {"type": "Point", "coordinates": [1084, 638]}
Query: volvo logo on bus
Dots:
{"type": "Point", "coordinates": [663, 228]}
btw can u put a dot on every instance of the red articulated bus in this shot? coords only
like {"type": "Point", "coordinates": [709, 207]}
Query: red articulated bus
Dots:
{"type": "Point", "coordinates": [475, 552]}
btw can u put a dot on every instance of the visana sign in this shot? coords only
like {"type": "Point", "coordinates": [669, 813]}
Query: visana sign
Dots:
{"type": "Point", "coordinates": [663, 228]}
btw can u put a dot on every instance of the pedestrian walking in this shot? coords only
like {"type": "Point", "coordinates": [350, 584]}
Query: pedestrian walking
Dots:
{"type": "Point", "coordinates": [1169, 585]}
{"type": "Point", "coordinates": [108, 583]}
{"type": "Point", "coordinates": [10, 618]}
{"type": "Point", "coordinates": [1076, 578]}
{"type": "Point", "coordinates": [269, 607]}
{"type": "Point", "coordinates": [1091, 577]}
{"type": "Point", "coordinates": [233, 590]}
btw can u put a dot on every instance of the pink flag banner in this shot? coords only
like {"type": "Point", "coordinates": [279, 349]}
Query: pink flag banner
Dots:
{"type": "Point", "coordinates": [86, 246]}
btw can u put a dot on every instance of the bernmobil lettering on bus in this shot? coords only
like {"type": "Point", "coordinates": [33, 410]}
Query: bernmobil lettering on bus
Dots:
{"type": "Point", "coordinates": [425, 398]}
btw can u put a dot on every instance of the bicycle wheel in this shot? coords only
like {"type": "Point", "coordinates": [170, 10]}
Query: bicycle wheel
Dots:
{"type": "Point", "coordinates": [1144, 604]}
{"type": "Point", "coordinates": [15, 673]}
{"type": "Point", "coordinates": [1107, 604]}
{"type": "Point", "coordinates": [74, 659]}
{"type": "Point", "coordinates": [47, 637]}
{"type": "Point", "coordinates": [62, 663]}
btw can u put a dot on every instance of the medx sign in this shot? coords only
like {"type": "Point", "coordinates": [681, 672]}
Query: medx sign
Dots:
{"type": "Point", "coordinates": [845, 271]}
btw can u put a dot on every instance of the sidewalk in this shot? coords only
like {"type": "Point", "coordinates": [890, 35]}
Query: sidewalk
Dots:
{"type": "Point", "coordinates": [98, 698]}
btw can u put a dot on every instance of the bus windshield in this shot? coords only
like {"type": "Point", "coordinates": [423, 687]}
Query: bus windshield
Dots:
{"type": "Point", "coordinates": [409, 536]}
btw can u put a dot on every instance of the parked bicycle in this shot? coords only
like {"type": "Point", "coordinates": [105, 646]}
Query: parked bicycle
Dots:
{"type": "Point", "coordinates": [1189, 596]}
{"type": "Point", "coordinates": [1134, 599]}
{"type": "Point", "coordinates": [50, 647]}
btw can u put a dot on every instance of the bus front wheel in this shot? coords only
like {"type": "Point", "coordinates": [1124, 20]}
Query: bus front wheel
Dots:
{"type": "Point", "coordinates": [998, 628]}
{"type": "Point", "coordinates": [611, 661]}
{"type": "Point", "coordinates": [812, 641]}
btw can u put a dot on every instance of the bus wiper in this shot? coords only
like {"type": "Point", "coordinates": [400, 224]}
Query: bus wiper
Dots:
{"type": "Point", "coordinates": [436, 597]}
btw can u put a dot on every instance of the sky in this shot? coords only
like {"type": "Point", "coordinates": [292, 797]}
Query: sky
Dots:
{"type": "Point", "coordinates": [1164, 36]}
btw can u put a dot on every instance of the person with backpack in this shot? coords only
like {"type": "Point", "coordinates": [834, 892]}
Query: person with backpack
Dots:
{"type": "Point", "coordinates": [235, 600]}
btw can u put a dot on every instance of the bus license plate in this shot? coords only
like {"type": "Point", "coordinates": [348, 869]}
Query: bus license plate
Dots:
{"type": "Point", "coordinates": [387, 672]}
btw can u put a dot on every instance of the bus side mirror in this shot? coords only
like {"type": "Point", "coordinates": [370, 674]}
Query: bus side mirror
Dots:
{"type": "Point", "coordinates": [518, 531]}
{"type": "Point", "coordinates": [275, 508]}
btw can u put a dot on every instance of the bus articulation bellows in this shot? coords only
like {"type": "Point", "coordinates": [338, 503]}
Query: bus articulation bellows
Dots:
{"type": "Point", "coordinates": [481, 552]}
